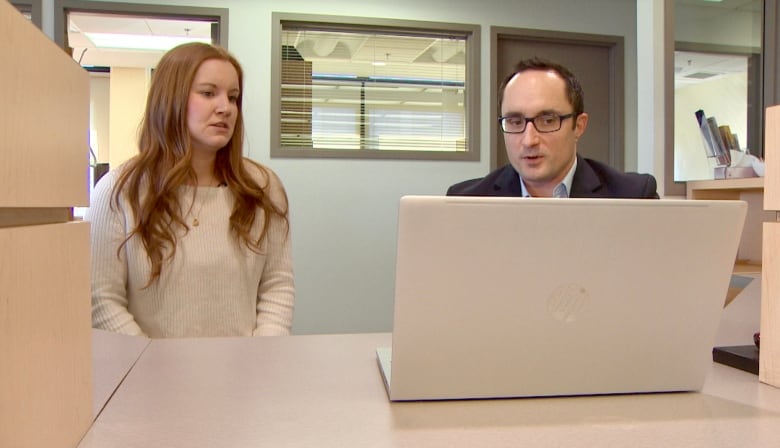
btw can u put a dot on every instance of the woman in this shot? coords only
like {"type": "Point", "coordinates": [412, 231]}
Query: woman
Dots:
{"type": "Point", "coordinates": [189, 238]}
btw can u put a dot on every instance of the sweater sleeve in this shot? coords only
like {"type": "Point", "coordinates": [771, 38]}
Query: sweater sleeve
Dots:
{"type": "Point", "coordinates": [276, 292]}
{"type": "Point", "coordinates": [109, 269]}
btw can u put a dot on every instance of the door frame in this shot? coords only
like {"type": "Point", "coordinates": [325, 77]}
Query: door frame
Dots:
{"type": "Point", "coordinates": [614, 44]}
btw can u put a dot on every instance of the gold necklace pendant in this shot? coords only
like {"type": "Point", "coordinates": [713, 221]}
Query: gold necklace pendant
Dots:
{"type": "Point", "coordinates": [206, 198]}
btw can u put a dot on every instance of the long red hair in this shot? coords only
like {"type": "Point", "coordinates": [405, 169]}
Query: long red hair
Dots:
{"type": "Point", "coordinates": [150, 181]}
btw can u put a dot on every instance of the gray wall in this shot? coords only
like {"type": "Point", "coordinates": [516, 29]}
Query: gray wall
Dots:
{"type": "Point", "coordinates": [344, 211]}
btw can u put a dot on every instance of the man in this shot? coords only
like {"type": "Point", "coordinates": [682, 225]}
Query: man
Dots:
{"type": "Point", "coordinates": [542, 117]}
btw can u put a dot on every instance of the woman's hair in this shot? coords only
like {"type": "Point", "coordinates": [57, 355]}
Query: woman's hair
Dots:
{"type": "Point", "coordinates": [150, 182]}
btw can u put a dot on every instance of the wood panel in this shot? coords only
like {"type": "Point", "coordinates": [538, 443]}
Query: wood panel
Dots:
{"type": "Point", "coordinates": [45, 349]}
{"type": "Point", "coordinates": [751, 191]}
{"type": "Point", "coordinates": [723, 188]}
{"type": "Point", "coordinates": [46, 368]}
{"type": "Point", "coordinates": [14, 217]}
{"type": "Point", "coordinates": [45, 125]}
{"type": "Point", "coordinates": [769, 362]}
{"type": "Point", "coordinates": [772, 158]}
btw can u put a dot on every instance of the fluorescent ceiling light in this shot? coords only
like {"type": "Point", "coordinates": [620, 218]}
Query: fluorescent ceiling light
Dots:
{"type": "Point", "coordinates": [141, 41]}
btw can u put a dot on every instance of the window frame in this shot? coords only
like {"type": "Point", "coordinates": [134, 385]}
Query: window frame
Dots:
{"type": "Point", "coordinates": [33, 7]}
{"type": "Point", "coordinates": [63, 7]}
{"type": "Point", "coordinates": [364, 24]}
{"type": "Point", "coordinates": [755, 117]}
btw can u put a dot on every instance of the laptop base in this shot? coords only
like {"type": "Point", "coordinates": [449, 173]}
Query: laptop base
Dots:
{"type": "Point", "coordinates": [383, 359]}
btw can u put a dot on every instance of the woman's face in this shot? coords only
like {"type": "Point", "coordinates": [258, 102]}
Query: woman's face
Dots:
{"type": "Point", "coordinates": [212, 106]}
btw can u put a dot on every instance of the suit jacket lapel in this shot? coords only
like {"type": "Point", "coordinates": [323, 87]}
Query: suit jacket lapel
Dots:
{"type": "Point", "coordinates": [586, 184]}
{"type": "Point", "coordinates": [507, 182]}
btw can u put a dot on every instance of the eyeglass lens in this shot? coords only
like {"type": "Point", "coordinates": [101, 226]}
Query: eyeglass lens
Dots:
{"type": "Point", "coordinates": [542, 123]}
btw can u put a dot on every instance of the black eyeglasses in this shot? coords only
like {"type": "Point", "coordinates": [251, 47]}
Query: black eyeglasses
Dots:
{"type": "Point", "coordinates": [543, 123]}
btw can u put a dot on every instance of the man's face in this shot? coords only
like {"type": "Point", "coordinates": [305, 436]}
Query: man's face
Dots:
{"type": "Point", "coordinates": [542, 159]}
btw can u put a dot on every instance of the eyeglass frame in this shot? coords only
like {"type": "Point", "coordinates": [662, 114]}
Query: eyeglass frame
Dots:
{"type": "Point", "coordinates": [561, 118]}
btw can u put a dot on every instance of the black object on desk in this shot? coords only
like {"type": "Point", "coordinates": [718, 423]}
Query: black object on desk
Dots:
{"type": "Point", "coordinates": [742, 357]}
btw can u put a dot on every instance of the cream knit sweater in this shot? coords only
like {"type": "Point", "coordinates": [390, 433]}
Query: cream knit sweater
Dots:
{"type": "Point", "coordinates": [214, 286]}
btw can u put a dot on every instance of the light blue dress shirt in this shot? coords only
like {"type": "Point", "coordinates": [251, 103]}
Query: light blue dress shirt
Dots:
{"type": "Point", "coordinates": [561, 190]}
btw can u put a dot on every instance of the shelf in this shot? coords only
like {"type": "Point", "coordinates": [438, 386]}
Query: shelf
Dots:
{"type": "Point", "coordinates": [747, 267]}
{"type": "Point", "coordinates": [723, 188]}
{"type": "Point", "coordinates": [750, 190]}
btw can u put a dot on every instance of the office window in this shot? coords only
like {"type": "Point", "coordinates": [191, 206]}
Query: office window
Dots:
{"type": "Point", "coordinates": [370, 88]}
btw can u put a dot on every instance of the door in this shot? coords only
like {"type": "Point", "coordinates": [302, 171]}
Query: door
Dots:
{"type": "Point", "coordinates": [596, 61]}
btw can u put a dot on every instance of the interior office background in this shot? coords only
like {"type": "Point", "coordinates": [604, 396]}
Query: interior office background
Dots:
{"type": "Point", "coordinates": [344, 211]}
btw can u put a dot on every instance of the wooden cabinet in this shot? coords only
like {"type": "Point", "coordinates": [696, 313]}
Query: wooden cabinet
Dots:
{"type": "Point", "coordinates": [760, 246]}
{"type": "Point", "coordinates": [759, 249]}
{"type": "Point", "coordinates": [750, 190]}
{"type": "Point", "coordinates": [46, 368]}
{"type": "Point", "coordinates": [45, 334]}
{"type": "Point", "coordinates": [769, 363]}
{"type": "Point", "coordinates": [44, 152]}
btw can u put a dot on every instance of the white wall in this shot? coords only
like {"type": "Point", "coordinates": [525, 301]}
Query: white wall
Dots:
{"type": "Point", "coordinates": [651, 89]}
{"type": "Point", "coordinates": [723, 98]}
{"type": "Point", "coordinates": [99, 90]}
{"type": "Point", "coordinates": [344, 211]}
{"type": "Point", "coordinates": [717, 26]}
{"type": "Point", "coordinates": [128, 89]}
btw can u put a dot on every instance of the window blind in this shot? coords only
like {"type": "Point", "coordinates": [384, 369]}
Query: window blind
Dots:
{"type": "Point", "coordinates": [367, 90]}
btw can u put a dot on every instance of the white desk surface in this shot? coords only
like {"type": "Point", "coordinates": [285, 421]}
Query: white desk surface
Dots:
{"type": "Point", "coordinates": [113, 356]}
{"type": "Point", "coordinates": [326, 391]}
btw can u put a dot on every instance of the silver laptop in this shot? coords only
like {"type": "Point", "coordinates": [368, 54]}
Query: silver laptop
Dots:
{"type": "Point", "coordinates": [513, 297]}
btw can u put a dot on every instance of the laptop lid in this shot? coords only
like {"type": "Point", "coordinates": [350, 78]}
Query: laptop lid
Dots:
{"type": "Point", "coordinates": [511, 297]}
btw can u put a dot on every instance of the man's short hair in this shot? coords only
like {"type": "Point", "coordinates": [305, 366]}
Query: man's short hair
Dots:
{"type": "Point", "coordinates": [573, 88]}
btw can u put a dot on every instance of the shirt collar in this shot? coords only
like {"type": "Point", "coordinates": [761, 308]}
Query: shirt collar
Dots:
{"type": "Point", "coordinates": [561, 190]}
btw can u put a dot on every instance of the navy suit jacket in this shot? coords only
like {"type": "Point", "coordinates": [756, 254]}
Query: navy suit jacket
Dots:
{"type": "Point", "coordinates": [592, 179]}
